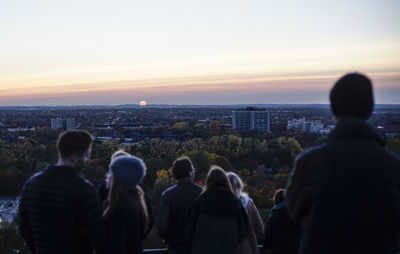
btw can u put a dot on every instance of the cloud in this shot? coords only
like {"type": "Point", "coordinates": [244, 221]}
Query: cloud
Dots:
{"type": "Point", "coordinates": [198, 90]}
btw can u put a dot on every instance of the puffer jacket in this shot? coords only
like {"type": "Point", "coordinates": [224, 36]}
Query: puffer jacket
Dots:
{"type": "Point", "coordinates": [217, 222]}
{"type": "Point", "coordinates": [346, 193]}
{"type": "Point", "coordinates": [61, 213]}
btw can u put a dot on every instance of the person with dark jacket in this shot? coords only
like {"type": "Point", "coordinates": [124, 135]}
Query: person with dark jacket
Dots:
{"type": "Point", "coordinates": [282, 234]}
{"type": "Point", "coordinates": [346, 193]}
{"type": "Point", "coordinates": [103, 189]}
{"type": "Point", "coordinates": [59, 210]}
{"type": "Point", "coordinates": [217, 221]}
{"type": "Point", "coordinates": [174, 205]}
{"type": "Point", "coordinates": [126, 213]}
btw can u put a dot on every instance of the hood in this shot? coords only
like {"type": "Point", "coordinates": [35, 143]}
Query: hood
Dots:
{"type": "Point", "coordinates": [220, 203]}
{"type": "Point", "coordinates": [355, 128]}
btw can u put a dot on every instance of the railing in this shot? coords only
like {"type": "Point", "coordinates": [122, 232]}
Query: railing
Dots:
{"type": "Point", "coordinates": [164, 250]}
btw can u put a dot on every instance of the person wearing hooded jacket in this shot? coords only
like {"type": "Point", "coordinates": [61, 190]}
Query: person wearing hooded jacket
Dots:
{"type": "Point", "coordinates": [346, 193]}
{"type": "Point", "coordinates": [217, 222]}
{"type": "Point", "coordinates": [282, 234]}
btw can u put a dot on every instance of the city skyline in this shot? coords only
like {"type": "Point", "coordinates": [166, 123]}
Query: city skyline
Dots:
{"type": "Point", "coordinates": [223, 52]}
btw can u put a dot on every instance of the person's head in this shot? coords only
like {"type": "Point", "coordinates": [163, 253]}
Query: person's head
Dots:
{"type": "Point", "coordinates": [125, 173]}
{"type": "Point", "coordinates": [119, 153]}
{"type": "Point", "coordinates": [128, 170]}
{"type": "Point", "coordinates": [352, 96]}
{"type": "Point", "coordinates": [75, 147]}
{"type": "Point", "coordinates": [216, 178]}
{"type": "Point", "coordinates": [279, 196]}
{"type": "Point", "coordinates": [183, 167]}
{"type": "Point", "coordinates": [236, 183]}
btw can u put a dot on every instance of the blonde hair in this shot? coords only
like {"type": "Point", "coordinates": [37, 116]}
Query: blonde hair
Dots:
{"type": "Point", "coordinates": [237, 184]}
{"type": "Point", "coordinates": [119, 153]}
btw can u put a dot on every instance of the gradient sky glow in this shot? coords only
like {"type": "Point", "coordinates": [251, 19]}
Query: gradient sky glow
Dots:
{"type": "Point", "coordinates": [194, 52]}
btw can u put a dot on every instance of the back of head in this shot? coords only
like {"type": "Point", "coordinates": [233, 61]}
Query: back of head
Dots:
{"type": "Point", "coordinates": [217, 178]}
{"type": "Point", "coordinates": [128, 170]}
{"type": "Point", "coordinates": [352, 96]}
{"type": "Point", "coordinates": [182, 167]}
{"type": "Point", "coordinates": [279, 196]}
{"type": "Point", "coordinates": [236, 183]}
{"type": "Point", "coordinates": [73, 142]}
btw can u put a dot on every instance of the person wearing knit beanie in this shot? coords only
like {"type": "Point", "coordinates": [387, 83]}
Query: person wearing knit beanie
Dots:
{"type": "Point", "coordinates": [345, 192]}
{"type": "Point", "coordinates": [126, 213]}
{"type": "Point", "coordinates": [352, 96]}
{"type": "Point", "coordinates": [130, 170]}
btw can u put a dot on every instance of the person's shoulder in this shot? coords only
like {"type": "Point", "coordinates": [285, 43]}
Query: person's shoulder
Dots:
{"type": "Point", "coordinates": [33, 179]}
{"type": "Point", "coordinates": [392, 155]}
{"type": "Point", "coordinates": [168, 191]}
{"type": "Point", "coordinates": [197, 187]}
{"type": "Point", "coordinates": [312, 152]}
{"type": "Point", "coordinates": [83, 185]}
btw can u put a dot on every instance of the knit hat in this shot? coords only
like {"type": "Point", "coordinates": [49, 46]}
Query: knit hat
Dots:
{"type": "Point", "coordinates": [352, 96]}
{"type": "Point", "coordinates": [130, 170]}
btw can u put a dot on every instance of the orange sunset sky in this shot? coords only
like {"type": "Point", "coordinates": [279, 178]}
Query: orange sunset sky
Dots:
{"type": "Point", "coordinates": [194, 52]}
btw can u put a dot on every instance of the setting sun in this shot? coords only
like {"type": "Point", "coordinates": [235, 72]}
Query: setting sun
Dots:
{"type": "Point", "coordinates": [142, 103]}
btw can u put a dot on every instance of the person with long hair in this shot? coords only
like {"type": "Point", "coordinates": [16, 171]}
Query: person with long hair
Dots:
{"type": "Point", "coordinates": [103, 191]}
{"type": "Point", "coordinates": [126, 213]}
{"type": "Point", "coordinates": [217, 222]}
{"type": "Point", "coordinates": [256, 227]}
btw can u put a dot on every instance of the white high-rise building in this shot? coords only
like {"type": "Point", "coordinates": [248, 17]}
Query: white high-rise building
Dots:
{"type": "Point", "coordinates": [251, 119]}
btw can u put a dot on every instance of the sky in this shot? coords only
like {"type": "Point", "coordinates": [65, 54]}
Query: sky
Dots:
{"type": "Point", "coordinates": [194, 52]}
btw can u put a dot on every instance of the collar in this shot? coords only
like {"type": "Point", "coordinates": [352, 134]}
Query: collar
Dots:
{"type": "Point", "coordinates": [185, 180]}
{"type": "Point", "coordinates": [355, 128]}
{"type": "Point", "coordinates": [61, 169]}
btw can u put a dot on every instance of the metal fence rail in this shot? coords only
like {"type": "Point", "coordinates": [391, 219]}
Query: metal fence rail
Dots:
{"type": "Point", "coordinates": [164, 250]}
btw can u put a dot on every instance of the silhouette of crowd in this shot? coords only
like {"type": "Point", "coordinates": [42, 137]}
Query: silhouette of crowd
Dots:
{"type": "Point", "coordinates": [342, 197]}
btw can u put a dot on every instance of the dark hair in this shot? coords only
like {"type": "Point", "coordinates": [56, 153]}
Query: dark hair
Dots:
{"type": "Point", "coordinates": [73, 142]}
{"type": "Point", "coordinates": [279, 196]}
{"type": "Point", "coordinates": [216, 178]}
{"type": "Point", "coordinates": [352, 96]}
{"type": "Point", "coordinates": [182, 167]}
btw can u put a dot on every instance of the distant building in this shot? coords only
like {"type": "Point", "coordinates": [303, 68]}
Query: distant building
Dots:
{"type": "Point", "coordinates": [63, 123]}
{"type": "Point", "coordinates": [21, 129]}
{"type": "Point", "coordinates": [307, 126]}
{"type": "Point", "coordinates": [251, 119]}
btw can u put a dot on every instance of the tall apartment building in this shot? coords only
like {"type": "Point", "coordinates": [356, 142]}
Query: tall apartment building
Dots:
{"type": "Point", "coordinates": [63, 123]}
{"type": "Point", "coordinates": [251, 119]}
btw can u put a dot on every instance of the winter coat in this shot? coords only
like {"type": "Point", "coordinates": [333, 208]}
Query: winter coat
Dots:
{"type": "Point", "coordinates": [61, 213]}
{"type": "Point", "coordinates": [174, 205]}
{"type": "Point", "coordinates": [347, 193]}
{"type": "Point", "coordinates": [126, 225]}
{"type": "Point", "coordinates": [217, 222]}
{"type": "Point", "coordinates": [102, 192]}
{"type": "Point", "coordinates": [256, 228]}
{"type": "Point", "coordinates": [282, 234]}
